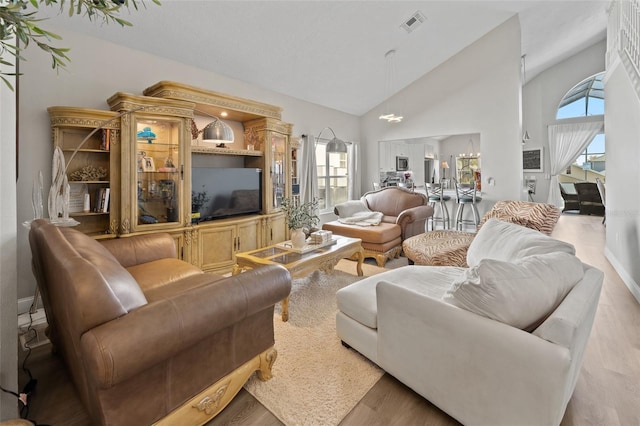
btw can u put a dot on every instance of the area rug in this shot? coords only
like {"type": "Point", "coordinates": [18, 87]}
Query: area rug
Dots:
{"type": "Point", "coordinates": [316, 380]}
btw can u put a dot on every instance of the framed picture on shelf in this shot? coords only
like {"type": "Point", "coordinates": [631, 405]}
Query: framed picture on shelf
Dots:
{"type": "Point", "coordinates": [533, 160]}
{"type": "Point", "coordinates": [148, 165]}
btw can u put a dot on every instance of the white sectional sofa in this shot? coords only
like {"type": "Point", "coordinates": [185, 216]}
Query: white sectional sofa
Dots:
{"type": "Point", "coordinates": [498, 343]}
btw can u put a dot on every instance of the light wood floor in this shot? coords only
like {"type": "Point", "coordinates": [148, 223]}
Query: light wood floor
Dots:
{"type": "Point", "coordinates": [607, 393]}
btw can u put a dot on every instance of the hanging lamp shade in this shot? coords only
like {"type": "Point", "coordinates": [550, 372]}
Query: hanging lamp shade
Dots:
{"type": "Point", "coordinates": [217, 132]}
{"type": "Point", "coordinates": [335, 144]}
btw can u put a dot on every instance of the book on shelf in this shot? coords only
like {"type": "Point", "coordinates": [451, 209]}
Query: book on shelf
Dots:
{"type": "Point", "coordinates": [97, 199]}
{"type": "Point", "coordinates": [106, 139]}
{"type": "Point", "coordinates": [101, 200]}
{"type": "Point", "coordinates": [105, 201]}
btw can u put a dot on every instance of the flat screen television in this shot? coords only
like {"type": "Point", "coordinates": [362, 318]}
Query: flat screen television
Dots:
{"type": "Point", "coordinates": [219, 192]}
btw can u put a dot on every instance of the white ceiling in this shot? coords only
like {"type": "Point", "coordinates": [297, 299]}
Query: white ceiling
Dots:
{"type": "Point", "coordinates": [332, 52]}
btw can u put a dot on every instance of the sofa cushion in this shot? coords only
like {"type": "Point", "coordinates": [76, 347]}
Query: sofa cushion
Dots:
{"type": "Point", "coordinates": [378, 234]}
{"type": "Point", "coordinates": [358, 300]}
{"type": "Point", "coordinates": [161, 272]}
{"type": "Point", "coordinates": [521, 294]}
{"type": "Point", "coordinates": [507, 241]}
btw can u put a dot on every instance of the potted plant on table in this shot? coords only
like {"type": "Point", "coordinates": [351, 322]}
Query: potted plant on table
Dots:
{"type": "Point", "coordinates": [301, 218]}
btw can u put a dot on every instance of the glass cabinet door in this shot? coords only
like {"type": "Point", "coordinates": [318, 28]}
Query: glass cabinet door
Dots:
{"type": "Point", "coordinates": [158, 171]}
{"type": "Point", "coordinates": [279, 159]}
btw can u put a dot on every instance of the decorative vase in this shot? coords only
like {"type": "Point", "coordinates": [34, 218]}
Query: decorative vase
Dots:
{"type": "Point", "coordinates": [298, 238]}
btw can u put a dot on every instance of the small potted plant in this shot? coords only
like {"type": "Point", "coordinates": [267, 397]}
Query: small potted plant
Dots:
{"type": "Point", "coordinates": [300, 217]}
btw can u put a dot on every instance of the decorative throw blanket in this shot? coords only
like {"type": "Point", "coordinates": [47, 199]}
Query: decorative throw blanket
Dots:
{"type": "Point", "coordinates": [356, 213]}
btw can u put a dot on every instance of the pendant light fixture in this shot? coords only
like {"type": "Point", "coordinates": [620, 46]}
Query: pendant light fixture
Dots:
{"type": "Point", "coordinates": [525, 136]}
{"type": "Point", "coordinates": [388, 80]}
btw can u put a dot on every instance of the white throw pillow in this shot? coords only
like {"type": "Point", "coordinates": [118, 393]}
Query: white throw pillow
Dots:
{"type": "Point", "coordinates": [350, 208]}
{"type": "Point", "coordinates": [507, 241]}
{"type": "Point", "coordinates": [521, 294]}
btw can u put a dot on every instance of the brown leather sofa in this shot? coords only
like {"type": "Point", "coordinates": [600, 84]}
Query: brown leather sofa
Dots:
{"type": "Point", "coordinates": [148, 338]}
{"type": "Point", "coordinates": [404, 215]}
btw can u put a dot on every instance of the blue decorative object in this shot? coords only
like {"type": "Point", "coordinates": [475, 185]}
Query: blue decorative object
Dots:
{"type": "Point", "coordinates": [147, 134]}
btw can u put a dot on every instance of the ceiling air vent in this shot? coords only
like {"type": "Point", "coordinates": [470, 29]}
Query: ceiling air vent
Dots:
{"type": "Point", "coordinates": [413, 22]}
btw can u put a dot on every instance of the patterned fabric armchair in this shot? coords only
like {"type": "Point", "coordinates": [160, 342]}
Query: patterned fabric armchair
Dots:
{"type": "Point", "coordinates": [449, 248]}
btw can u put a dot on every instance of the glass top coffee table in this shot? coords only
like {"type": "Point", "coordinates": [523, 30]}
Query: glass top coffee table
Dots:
{"type": "Point", "coordinates": [302, 264]}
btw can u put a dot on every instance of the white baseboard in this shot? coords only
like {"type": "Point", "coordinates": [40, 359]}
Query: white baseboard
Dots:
{"type": "Point", "coordinates": [631, 284]}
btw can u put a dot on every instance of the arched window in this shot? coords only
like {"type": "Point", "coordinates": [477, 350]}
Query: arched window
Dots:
{"type": "Point", "coordinates": [586, 98]}
{"type": "Point", "coordinates": [583, 100]}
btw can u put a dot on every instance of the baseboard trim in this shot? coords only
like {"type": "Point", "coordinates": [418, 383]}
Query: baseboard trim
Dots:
{"type": "Point", "coordinates": [631, 284]}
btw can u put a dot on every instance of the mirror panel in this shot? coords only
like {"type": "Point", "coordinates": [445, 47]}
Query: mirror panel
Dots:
{"type": "Point", "coordinates": [424, 157]}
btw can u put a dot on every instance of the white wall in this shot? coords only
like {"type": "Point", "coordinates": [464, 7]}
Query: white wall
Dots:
{"type": "Point", "coordinates": [476, 91]}
{"type": "Point", "coordinates": [99, 69]}
{"type": "Point", "coordinates": [542, 95]}
{"type": "Point", "coordinates": [622, 124]}
{"type": "Point", "coordinates": [8, 260]}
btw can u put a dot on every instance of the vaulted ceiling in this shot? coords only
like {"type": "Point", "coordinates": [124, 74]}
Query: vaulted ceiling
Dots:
{"type": "Point", "coordinates": [332, 53]}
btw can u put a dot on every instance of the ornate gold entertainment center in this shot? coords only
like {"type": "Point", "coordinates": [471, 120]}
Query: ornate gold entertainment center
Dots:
{"type": "Point", "coordinates": [144, 157]}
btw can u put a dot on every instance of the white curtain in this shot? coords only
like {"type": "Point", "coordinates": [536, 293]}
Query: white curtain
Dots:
{"type": "Point", "coordinates": [308, 170]}
{"type": "Point", "coordinates": [566, 142]}
{"type": "Point", "coordinates": [353, 183]}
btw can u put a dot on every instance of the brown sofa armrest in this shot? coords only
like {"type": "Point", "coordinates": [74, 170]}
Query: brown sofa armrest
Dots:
{"type": "Point", "coordinates": [122, 348]}
{"type": "Point", "coordinates": [413, 216]}
{"type": "Point", "coordinates": [139, 249]}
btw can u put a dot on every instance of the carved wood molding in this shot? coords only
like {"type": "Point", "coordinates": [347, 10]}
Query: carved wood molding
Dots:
{"type": "Point", "coordinates": [207, 404]}
{"type": "Point", "coordinates": [83, 122]}
{"type": "Point", "coordinates": [82, 117]}
{"type": "Point", "coordinates": [202, 97]}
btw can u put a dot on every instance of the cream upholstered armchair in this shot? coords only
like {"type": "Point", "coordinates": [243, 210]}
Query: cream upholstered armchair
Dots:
{"type": "Point", "coordinates": [403, 214]}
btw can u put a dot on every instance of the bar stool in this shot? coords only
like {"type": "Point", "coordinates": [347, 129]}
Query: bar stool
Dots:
{"type": "Point", "coordinates": [466, 194]}
{"type": "Point", "coordinates": [435, 194]}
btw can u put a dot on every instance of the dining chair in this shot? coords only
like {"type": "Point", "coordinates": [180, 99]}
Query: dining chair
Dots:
{"type": "Point", "coordinates": [438, 200]}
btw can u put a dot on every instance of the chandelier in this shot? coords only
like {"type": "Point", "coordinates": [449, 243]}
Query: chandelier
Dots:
{"type": "Point", "coordinates": [388, 81]}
